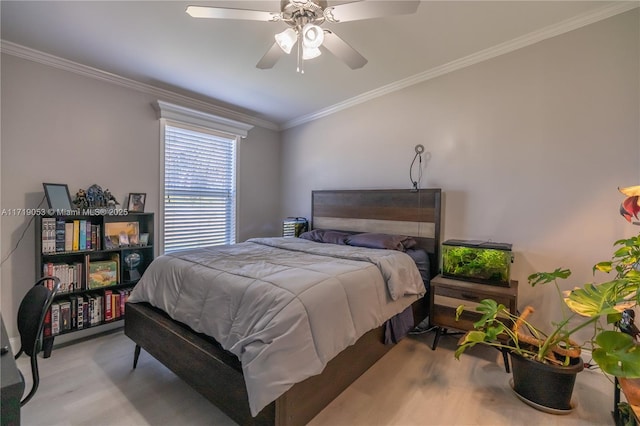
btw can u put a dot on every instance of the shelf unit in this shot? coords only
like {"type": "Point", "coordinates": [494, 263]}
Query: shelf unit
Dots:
{"type": "Point", "coordinates": [73, 267]}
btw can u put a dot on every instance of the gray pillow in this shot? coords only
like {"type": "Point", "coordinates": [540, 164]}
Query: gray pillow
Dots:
{"type": "Point", "coordinates": [326, 236]}
{"type": "Point", "coordinates": [381, 241]}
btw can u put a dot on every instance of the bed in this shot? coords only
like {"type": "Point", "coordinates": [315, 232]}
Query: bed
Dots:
{"type": "Point", "coordinates": [220, 376]}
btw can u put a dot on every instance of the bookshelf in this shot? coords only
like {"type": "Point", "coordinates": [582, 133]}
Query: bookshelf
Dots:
{"type": "Point", "coordinates": [98, 259]}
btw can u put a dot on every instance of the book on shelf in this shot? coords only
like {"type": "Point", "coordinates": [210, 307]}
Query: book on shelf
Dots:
{"type": "Point", "coordinates": [124, 295]}
{"type": "Point", "coordinates": [85, 313]}
{"type": "Point", "coordinates": [108, 314]}
{"type": "Point", "coordinates": [55, 318]}
{"type": "Point", "coordinates": [60, 242]}
{"type": "Point", "coordinates": [98, 309]}
{"type": "Point", "coordinates": [48, 236]}
{"type": "Point", "coordinates": [68, 236]}
{"type": "Point", "coordinates": [73, 300]}
{"type": "Point", "coordinates": [82, 235]}
{"type": "Point", "coordinates": [80, 318]}
{"type": "Point", "coordinates": [96, 241]}
{"type": "Point", "coordinates": [65, 316]}
{"type": "Point", "coordinates": [46, 332]}
{"type": "Point", "coordinates": [115, 305]}
{"type": "Point", "coordinates": [87, 235]}
{"type": "Point", "coordinates": [76, 235]}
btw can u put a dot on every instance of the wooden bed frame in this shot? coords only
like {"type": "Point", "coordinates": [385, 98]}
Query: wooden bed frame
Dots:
{"type": "Point", "coordinates": [217, 374]}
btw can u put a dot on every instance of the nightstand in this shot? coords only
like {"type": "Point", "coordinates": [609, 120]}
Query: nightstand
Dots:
{"type": "Point", "coordinates": [446, 294]}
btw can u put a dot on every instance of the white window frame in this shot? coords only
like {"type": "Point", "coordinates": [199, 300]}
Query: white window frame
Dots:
{"type": "Point", "coordinates": [178, 116]}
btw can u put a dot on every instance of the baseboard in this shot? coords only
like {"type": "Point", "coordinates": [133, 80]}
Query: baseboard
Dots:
{"type": "Point", "coordinates": [76, 336]}
{"type": "Point", "coordinates": [89, 333]}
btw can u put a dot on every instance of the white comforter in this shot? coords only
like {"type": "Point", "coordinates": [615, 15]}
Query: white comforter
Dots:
{"type": "Point", "coordinates": [283, 306]}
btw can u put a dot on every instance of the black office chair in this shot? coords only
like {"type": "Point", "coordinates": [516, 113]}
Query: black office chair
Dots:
{"type": "Point", "coordinates": [31, 314]}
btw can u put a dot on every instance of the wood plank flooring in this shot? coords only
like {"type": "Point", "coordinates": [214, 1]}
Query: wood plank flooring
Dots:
{"type": "Point", "coordinates": [92, 383]}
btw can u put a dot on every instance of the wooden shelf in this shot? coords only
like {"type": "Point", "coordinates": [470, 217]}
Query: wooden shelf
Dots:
{"type": "Point", "coordinates": [447, 294]}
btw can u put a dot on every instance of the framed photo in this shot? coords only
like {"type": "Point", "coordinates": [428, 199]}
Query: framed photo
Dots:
{"type": "Point", "coordinates": [144, 239]}
{"type": "Point", "coordinates": [123, 239]}
{"type": "Point", "coordinates": [108, 244]}
{"type": "Point", "coordinates": [58, 196]}
{"type": "Point", "coordinates": [136, 202]}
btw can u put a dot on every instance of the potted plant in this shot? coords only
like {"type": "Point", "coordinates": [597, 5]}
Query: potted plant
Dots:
{"type": "Point", "coordinates": [545, 364]}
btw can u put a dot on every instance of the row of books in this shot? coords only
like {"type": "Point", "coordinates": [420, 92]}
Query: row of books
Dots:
{"type": "Point", "coordinates": [84, 311]}
{"type": "Point", "coordinates": [76, 235]}
{"type": "Point", "coordinates": [71, 276]}
{"type": "Point", "coordinates": [87, 275]}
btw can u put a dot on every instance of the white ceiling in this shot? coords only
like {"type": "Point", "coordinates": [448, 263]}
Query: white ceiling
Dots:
{"type": "Point", "coordinates": [157, 43]}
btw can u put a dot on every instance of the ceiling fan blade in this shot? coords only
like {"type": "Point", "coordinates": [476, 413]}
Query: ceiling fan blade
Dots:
{"type": "Point", "coordinates": [342, 50]}
{"type": "Point", "coordinates": [225, 13]}
{"type": "Point", "coordinates": [371, 9]}
{"type": "Point", "coordinates": [270, 58]}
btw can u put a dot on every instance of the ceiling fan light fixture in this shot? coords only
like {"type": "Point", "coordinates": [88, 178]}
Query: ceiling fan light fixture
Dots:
{"type": "Point", "coordinates": [286, 40]}
{"type": "Point", "coordinates": [312, 36]}
{"type": "Point", "coordinates": [310, 53]}
{"type": "Point", "coordinates": [304, 18]}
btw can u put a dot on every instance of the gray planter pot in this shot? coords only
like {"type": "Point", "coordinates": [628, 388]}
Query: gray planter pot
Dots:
{"type": "Point", "coordinates": [546, 387]}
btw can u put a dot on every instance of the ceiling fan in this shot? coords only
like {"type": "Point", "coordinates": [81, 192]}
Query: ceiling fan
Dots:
{"type": "Point", "coordinates": [304, 19]}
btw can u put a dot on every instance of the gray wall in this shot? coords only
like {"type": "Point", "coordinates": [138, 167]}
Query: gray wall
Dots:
{"type": "Point", "coordinates": [62, 127]}
{"type": "Point", "coordinates": [528, 148]}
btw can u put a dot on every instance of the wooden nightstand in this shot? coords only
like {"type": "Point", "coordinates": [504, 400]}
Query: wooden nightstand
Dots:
{"type": "Point", "coordinates": [447, 294]}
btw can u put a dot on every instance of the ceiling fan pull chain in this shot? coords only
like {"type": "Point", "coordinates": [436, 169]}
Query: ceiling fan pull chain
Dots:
{"type": "Point", "coordinates": [300, 60]}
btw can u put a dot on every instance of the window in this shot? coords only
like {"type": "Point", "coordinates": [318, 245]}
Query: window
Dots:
{"type": "Point", "coordinates": [199, 189]}
{"type": "Point", "coordinates": [199, 178]}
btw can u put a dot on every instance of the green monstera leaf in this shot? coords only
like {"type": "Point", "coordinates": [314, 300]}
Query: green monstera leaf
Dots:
{"type": "Point", "coordinates": [547, 277]}
{"type": "Point", "coordinates": [469, 340]}
{"type": "Point", "coordinates": [597, 300]}
{"type": "Point", "coordinates": [489, 309]}
{"type": "Point", "coordinates": [617, 354]}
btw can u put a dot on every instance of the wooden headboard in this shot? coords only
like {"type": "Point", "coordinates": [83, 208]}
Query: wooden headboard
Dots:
{"type": "Point", "coordinates": [390, 211]}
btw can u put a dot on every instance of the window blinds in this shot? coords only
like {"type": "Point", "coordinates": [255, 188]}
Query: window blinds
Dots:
{"type": "Point", "coordinates": [199, 189]}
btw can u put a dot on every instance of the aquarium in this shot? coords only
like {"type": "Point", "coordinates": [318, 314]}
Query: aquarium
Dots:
{"type": "Point", "coordinates": [478, 261]}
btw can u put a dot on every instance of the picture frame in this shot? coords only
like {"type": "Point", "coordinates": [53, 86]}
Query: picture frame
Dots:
{"type": "Point", "coordinates": [144, 239]}
{"type": "Point", "coordinates": [136, 202]}
{"type": "Point", "coordinates": [108, 244]}
{"type": "Point", "coordinates": [58, 196]}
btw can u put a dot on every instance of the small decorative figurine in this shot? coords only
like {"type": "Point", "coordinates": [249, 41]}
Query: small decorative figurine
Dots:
{"type": "Point", "coordinates": [95, 196]}
{"type": "Point", "coordinates": [111, 200]}
{"type": "Point", "coordinates": [81, 199]}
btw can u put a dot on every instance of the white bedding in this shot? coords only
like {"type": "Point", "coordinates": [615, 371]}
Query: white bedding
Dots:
{"type": "Point", "coordinates": [283, 306]}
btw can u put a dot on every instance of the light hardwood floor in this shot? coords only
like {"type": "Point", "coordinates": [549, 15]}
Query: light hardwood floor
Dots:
{"type": "Point", "coordinates": [92, 383]}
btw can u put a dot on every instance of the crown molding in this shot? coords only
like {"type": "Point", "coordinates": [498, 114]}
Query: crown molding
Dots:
{"type": "Point", "coordinates": [480, 56]}
{"type": "Point", "coordinates": [574, 23]}
{"type": "Point", "coordinates": [64, 64]}
{"type": "Point", "coordinates": [171, 111]}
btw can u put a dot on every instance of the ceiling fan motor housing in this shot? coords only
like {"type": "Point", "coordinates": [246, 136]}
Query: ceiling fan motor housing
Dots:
{"type": "Point", "coordinates": [297, 13]}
